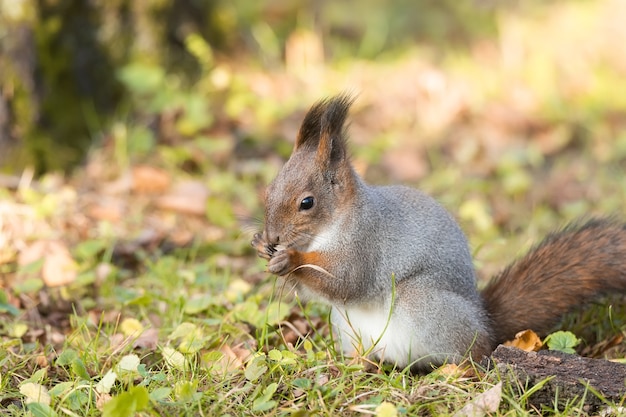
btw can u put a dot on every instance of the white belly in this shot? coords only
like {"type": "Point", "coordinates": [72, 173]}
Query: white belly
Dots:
{"type": "Point", "coordinates": [372, 331]}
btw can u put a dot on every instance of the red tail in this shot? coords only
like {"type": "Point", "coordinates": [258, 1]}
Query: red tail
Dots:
{"type": "Point", "coordinates": [567, 269]}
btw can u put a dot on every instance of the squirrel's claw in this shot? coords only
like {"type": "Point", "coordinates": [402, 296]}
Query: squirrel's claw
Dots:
{"type": "Point", "coordinates": [280, 263]}
{"type": "Point", "coordinates": [264, 250]}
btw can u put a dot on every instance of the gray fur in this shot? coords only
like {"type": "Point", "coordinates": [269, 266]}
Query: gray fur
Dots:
{"type": "Point", "coordinates": [365, 236]}
{"type": "Point", "coordinates": [435, 291]}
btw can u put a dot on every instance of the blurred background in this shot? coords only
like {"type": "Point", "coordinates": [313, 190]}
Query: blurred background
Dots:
{"type": "Point", "coordinates": [75, 75]}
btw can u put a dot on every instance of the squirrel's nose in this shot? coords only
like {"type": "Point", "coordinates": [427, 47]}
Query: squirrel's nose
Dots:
{"type": "Point", "coordinates": [271, 238]}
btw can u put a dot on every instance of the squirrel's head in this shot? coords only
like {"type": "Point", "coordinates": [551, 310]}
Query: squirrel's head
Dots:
{"type": "Point", "coordinates": [317, 184]}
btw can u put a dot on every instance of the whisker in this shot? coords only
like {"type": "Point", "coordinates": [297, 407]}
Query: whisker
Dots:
{"type": "Point", "coordinates": [318, 238]}
{"type": "Point", "coordinates": [250, 225]}
{"type": "Point", "coordinates": [298, 237]}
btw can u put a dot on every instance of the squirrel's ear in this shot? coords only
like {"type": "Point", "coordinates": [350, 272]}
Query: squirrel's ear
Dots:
{"type": "Point", "coordinates": [323, 129]}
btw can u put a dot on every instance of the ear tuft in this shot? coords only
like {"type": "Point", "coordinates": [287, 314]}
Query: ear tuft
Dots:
{"type": "Point", "coordinates": [323, 126]}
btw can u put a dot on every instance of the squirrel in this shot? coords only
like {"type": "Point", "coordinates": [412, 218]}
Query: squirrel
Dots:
{"type": "Point", "coordinates": [396, 268]}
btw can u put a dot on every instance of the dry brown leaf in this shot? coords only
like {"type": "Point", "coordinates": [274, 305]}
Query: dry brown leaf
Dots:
{"type": "Point", "coordinates": [58, 268]}
{"type": "Point", "coordinates": [526, 340]}
{"type": "Point", "coordinates": [107, 208]}
{"type": "Point", "coordinates": [150, 180]}
{"type": "Point", "coordinates": [486, 403]}
{"type": "Point", "coordinates": [117, 341]}
{"type": "Point", "coordinates": [56, 338]}
{"type": "Point", "coordinates": [41, 361]}
{"type": "Point", "coordinates": [187, 197]}
{"type": "Point", "coordinates": [233, 358]}
{"type": "Point", "coordinates": [554, 139]}
{"type": "Point", "coordinates": [599, 349]}
{"type": "Point", "coordinates": [101, 400]}
{"type": "Point", "coordinates": [18, 223]}
{"type": "Point", "coordinates": [450, 369]}
{"type": "Point", "coordinates": [108, 213]}
{"type": "Point", "coordinates": [122, 185]}
{"type": "Point", "coordinates": [297, 392]}
{"type": "Point", "coordinates": [147, 340]}
{"type": "Point", "coordinates": [462, 370]}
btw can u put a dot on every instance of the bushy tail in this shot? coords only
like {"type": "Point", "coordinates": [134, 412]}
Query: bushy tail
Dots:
{"type": "Point", "coordinates": [567, 269]}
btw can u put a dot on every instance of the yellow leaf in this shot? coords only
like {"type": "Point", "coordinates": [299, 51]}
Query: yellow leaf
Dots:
{"type": "Point", "coordinates": [35, 393]}
{"type": "Point", "coordinates": [386, 409]}
{"type": "Point", "coordinates": [526, 340]}
{"type": "Point", "coordinates": [450, 369]}
{"type": "Point", "coordinates": [106, 383]}
{"type": "Point", "coordinates": [131, 327]}
{"type": "Point", "coordinates": [477, 211]}
{"type": "Point", "coordinates": [237, 289]}
{"type": "Point", "coordinates": [174, 358]}
{"type": "Point", "coordinates": [17, 330]}
{"type": "Point", "coordinates": [128, 363]}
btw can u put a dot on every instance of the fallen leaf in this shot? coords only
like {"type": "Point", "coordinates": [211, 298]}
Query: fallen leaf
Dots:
{"type": "Point", "coordinates": [255, 368]}
{"type": "Point", "coordinates": [476, 210]}
{"type": "Point", "coordinates": [526, 340]}
{"type": "Point", "coordinates": [562, 341]}
{"type": "Point", "coordinates": [450, 369]}
{"type": "Point", "coordinates": [174, 358]}
{"type": "Point", "coordinates": [117, 341]}
{"type": "Point", "coordinates": [554, 139]}
{"type": "Point", "coordinates": [322, 379]}
{"type": "Point", "coordinates": [599, 349]}
{"type": "Point", "coordinates": [35, 393]}
{"type": "Point", "coordinates": [386, 409]}
{"type": "Point", "coordinates": [101, 400]}
{"type": "Point", "coordinates": [122, 185]}
{"type": "Point", "coordinates": [107, 209]}
{"type": "Point", "coordinates": [59, 268]}
{"type": "Point", "coordinates": [41, 361]}
{"type": "Point", "coordinates": [183, 330]}
{"type": "Point", "coordinates": [147, 340]}
{"type": "Point", "coordinates": [485, 403]}
{"type": "Point", "coordinates": [17, 330]}
{"type": "Point", "coordinates": [150, 180]}
{"type": "Point", "coordinates": [131, 327]}
{"type": "Point", "coordinates": [188, 197]}
{"type": "Point", "coordinates": [103, 271]}
{"type": "Point", "coordinates": [128, 363]}
{"type": "Point", "coordinates": [229, 358]}
{"type": "Point", "coordinates": [106, 383]}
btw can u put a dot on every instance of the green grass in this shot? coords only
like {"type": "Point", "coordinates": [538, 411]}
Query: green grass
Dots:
{"type": "Point", "coordinates": [201, 330]}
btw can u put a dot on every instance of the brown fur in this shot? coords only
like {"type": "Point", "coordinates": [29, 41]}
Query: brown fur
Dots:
{"type": "Point", "coordinates": [567, 269]}
{"type": "Point", "coordinates": [309, 267]}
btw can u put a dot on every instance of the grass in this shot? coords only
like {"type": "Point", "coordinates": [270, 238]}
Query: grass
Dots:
{"type": "Point", "coordinates": [199, 329]}
{"type": "Point", "coordinates": [168, 312]}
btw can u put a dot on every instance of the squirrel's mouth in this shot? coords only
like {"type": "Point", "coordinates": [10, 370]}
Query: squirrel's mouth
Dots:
{"type": "Point", "coordinates": [270, 248]}
{"type": "Point", "coordinates": [277, 247]}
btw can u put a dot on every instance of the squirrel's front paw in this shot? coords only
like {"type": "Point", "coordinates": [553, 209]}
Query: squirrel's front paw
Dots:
{"type": "Point", "coordinates": [263, 249]}
{"type": "Point", "coordinates": [280, 263]}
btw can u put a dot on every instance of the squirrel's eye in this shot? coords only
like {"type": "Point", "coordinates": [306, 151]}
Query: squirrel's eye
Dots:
{"type": "Point", "coordinates": [307, 203]}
